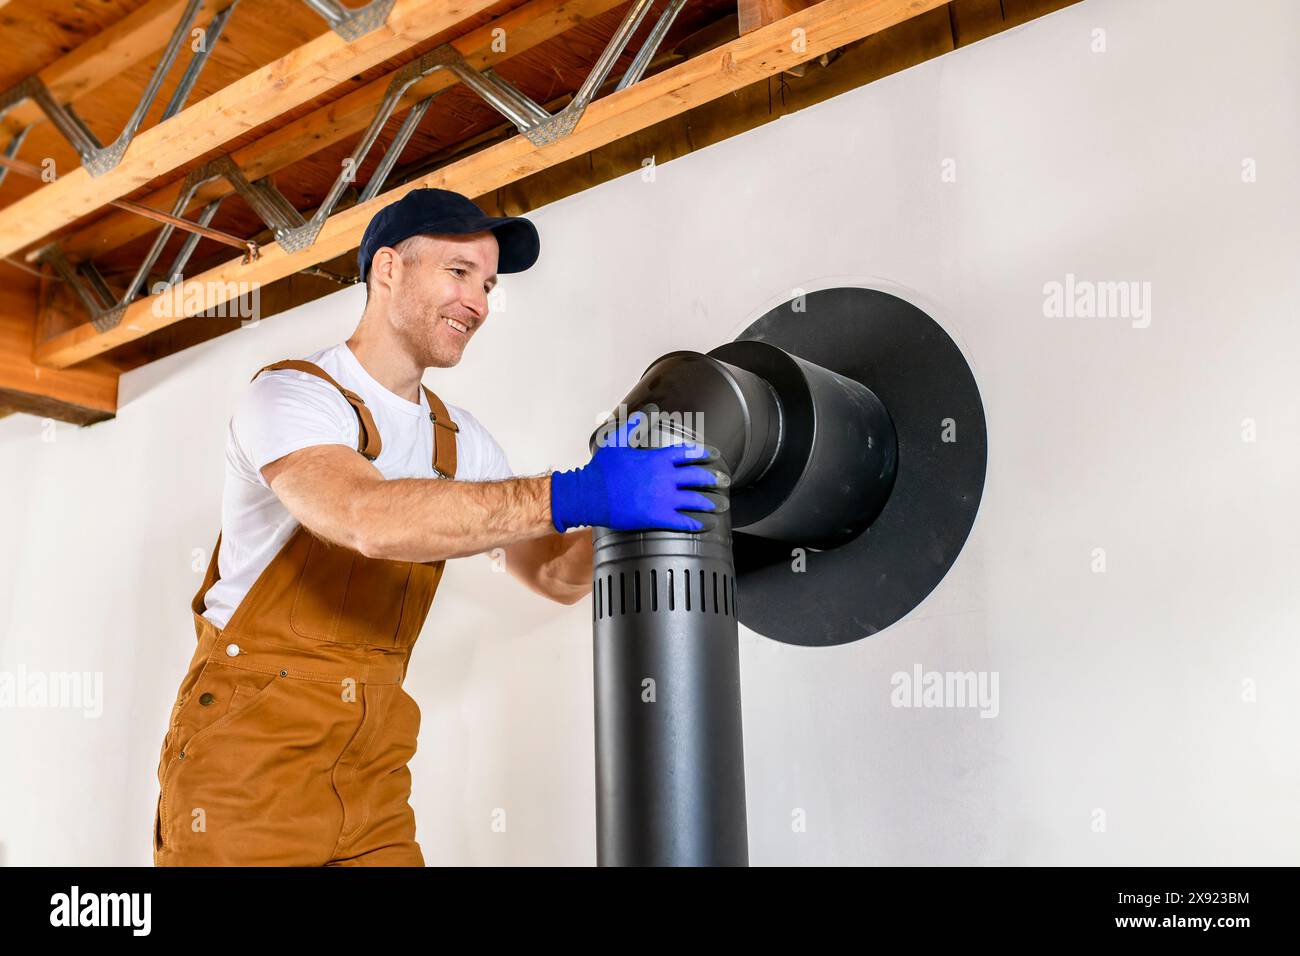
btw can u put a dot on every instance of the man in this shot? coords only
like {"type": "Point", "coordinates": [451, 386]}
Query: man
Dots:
{"type": "Point", "coordinates": [348, 486]}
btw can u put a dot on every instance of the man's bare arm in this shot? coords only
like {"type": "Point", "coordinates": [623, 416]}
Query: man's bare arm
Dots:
{"type": "Point", "coordinates": [557, 566]}
{"type": "Point", "coordinates": [340, 496]}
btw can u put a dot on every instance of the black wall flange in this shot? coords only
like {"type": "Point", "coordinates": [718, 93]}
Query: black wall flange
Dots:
{"type": "Point", "coordinates": [854, 435]}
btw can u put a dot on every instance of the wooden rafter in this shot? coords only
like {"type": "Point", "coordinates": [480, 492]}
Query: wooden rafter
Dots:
{"type": "Point", "coordinates": [748, 59]}
{"type": "Point", "coordinates": [83, 395]}
{"type": "Point", "coordinates": [309, 71]}
{"type": "Point", "coordinates": [526, 26]}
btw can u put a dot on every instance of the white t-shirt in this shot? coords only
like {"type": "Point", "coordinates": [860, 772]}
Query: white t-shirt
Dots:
{"type": "Point", "coordinates": [285, 410]}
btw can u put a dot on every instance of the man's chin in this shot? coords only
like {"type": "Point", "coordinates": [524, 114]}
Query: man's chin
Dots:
{"type": "Point", "coordinates": [445, 359]}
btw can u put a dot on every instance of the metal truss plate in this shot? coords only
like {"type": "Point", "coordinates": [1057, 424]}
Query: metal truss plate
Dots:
{"type": "Point", "coordinates": [556, 128]}
{"type": "Point", "coordinates": [354, 24]}
{"type": "Point", "coordinates": [109, 319]}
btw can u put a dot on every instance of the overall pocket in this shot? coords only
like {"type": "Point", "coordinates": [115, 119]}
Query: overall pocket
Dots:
{"type": "Point", "coordinates": [346, 598]}
{"type": "Point", "coordinates": [221, 697]}
{"type": "Point", "coordinates": [222, 692]}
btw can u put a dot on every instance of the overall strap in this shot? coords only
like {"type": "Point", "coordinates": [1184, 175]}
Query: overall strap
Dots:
{"type": "Point", "coordinates": [210, 578]}
{"type": "Point", "coordinates": [368, 441]}
{"type": "Point", "coordinates": [444, 435]}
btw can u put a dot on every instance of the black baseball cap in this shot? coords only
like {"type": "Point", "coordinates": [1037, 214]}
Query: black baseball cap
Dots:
{"type": "Point", "coordinates": [447, 213]}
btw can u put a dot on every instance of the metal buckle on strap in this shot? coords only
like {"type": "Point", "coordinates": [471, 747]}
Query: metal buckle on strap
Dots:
{"type": "Point", "coordinates": [433, 417]}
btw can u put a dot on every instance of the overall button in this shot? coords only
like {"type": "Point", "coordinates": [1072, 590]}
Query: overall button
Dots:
{"type": "Point", "coordinates": [232, 650]}
{"type": "Point", "coordinates": [206, 699]}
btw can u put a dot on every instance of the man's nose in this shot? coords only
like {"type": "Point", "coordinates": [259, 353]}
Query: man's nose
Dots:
{"type": "Point", "coordinates": [478, 304]}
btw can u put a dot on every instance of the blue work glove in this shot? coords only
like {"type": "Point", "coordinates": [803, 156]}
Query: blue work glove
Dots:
{"type": "Point", "coordinates": [636, 489]}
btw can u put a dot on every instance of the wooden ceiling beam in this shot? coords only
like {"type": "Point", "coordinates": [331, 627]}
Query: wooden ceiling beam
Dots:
{"type": "Point", "coordinates": [526, 26]}
{"type": "Point", "coordinates": [81, 395]}
{"type": "Point", "coordinates": [300, 76]}
{"type": "Point", "coordinates": [748, 59]}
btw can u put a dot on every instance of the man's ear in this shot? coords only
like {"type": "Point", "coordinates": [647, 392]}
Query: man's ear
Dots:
{"type": "Point", "coordinates": [385, 265]}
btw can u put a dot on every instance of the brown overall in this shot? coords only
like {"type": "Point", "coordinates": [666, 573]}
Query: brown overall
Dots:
{"type": "Point", "coordinates": [289, 740]}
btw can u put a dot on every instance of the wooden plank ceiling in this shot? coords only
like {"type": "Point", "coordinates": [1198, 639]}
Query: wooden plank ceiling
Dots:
{"type": "Point", "coordinates": [289, 99]}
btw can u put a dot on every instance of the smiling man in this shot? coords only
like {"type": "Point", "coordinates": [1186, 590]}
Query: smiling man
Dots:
{"type": "Point", "coordinates": [348, 485]}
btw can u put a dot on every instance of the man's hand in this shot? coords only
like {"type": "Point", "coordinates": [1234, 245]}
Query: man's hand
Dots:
{"type": "Point", "coordinates": [626, 488]}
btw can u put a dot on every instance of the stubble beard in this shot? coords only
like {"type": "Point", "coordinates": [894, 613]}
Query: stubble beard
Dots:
{"type": "Point", "coordinates": [421, 333]}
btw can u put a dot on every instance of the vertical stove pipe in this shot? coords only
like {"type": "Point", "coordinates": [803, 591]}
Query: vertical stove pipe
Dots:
{"type": "Point", "coordinates": [670, 767]}
{"type": "Point", "coordinates": [807, 452]}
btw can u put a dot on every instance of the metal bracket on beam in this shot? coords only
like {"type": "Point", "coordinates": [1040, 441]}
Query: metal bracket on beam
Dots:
{"type": "Point", "coordinates": [96, 158]}
{"type": "Point", "coordinates": [88, 283]}
{"type": "Point", "coordinates": [539, 126]}
{"type": "Point", "coordinates": [106, 309]}
{"type": "Point", "coordinates": [268, 202]}
{"type": "Point", "coordinates": [84, 279]}
{"type": "Point", "coordinates": [291, 230]}
{"type": "Point", "coordinates": [352, 24]}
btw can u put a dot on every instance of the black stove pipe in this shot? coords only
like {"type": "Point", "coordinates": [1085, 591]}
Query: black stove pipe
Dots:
{"type": "Point", "coordinates": [812, 457]}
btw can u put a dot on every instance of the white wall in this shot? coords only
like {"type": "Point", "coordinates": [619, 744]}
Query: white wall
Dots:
{"type": "Point", "coordinates": [1120, 691]}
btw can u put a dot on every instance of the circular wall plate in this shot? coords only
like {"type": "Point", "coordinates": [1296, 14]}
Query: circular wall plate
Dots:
{"type": "Point", "coordinates": [823, 598]}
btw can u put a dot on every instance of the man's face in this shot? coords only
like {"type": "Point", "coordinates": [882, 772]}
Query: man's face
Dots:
{"type": "Point", "coordinates": [439, 293]}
